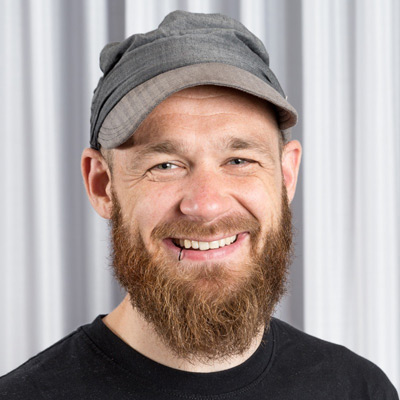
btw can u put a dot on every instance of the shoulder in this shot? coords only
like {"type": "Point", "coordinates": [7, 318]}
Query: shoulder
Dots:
{"type": "Point", "coordinates": [30, 380]}
{"type": "Point", "coordinates": [323, 364]}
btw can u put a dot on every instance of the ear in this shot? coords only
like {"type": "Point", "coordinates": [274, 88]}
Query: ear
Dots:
{"type": "Point", "coordinates": [97, 179]}
{"type": "Point", "coordinates": [291, 157]}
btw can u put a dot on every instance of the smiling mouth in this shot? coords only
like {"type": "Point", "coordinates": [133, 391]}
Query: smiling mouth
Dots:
{"type": "Point", "coordinates": [199, 245]}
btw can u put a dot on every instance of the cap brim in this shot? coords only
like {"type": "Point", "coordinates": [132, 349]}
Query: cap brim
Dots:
{"type": "Point", "coordinates": [123, 120]}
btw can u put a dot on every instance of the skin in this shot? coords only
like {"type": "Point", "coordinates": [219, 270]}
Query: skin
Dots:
{"type": "Point", "coordinates": [201, 182]}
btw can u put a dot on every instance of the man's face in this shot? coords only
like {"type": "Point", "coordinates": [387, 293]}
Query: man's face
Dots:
{"type": "Point", "coordinates": [202, 171]}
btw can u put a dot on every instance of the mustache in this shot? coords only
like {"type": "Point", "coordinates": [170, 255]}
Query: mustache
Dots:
{"type": "Point", "coordinates": [232, 224]}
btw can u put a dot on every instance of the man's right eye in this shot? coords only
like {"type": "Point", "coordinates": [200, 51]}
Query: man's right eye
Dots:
{"type": "Point", "coordinates": [166, 171]}
{"type": "Point", "coordinates": [165, 166]}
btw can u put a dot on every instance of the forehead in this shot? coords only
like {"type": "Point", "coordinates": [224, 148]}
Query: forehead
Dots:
{"type": "Point", "coordinates": [212, 112]}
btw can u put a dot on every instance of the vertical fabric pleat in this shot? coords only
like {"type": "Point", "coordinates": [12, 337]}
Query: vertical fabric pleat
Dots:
{"type": "Point", "coordinates": [351, 180]}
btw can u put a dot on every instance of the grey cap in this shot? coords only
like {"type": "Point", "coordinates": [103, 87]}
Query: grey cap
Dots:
{"type": "Point", "coordinates": [186, 50]}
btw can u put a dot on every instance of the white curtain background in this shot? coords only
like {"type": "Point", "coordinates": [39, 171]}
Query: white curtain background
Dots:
{"type": "Point", "coordinates": [339, 63]}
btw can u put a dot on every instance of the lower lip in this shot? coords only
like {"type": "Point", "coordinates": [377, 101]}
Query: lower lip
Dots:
{"type": "Point", "coordinates": [205, 255]}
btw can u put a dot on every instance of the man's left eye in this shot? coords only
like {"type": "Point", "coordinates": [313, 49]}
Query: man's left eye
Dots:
{"type": "Point", "coordinates": [238, 161]}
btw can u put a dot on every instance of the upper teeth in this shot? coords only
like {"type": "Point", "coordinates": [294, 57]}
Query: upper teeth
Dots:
{"type": "Point", "coordinates": [187, 244]}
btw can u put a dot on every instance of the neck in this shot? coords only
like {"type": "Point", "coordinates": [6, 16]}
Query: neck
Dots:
{"type": "Point", "coordinates": [129, 325]}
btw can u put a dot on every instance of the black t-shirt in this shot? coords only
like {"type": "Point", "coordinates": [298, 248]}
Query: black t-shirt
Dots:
{"type": "Point", "coordinates": [94, 363]}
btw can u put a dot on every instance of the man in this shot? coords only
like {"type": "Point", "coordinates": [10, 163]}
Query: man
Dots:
{"type": "Point", "coordinates": [192, 162]}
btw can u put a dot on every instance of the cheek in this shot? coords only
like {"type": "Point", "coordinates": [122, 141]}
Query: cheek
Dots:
{"type": "Point", "coordinates": [262, 198]}
{"type": "Point", "coordinates": [152, 206]}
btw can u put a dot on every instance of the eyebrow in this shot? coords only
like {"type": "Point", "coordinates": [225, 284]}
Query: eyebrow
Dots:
{"type": "Point", "coordinates": [236, 143]}
{"type": "Point", "coordinates": [165, 147]}
{"type": "Point", "coordinates": [173, 147]}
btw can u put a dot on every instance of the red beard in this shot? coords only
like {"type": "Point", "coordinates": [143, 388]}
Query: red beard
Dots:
{"type": "Point", "coordinates": [205, 311]}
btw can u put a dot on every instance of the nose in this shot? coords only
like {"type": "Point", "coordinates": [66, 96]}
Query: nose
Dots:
{"type": "Point", "coordinates": [205, 198]}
